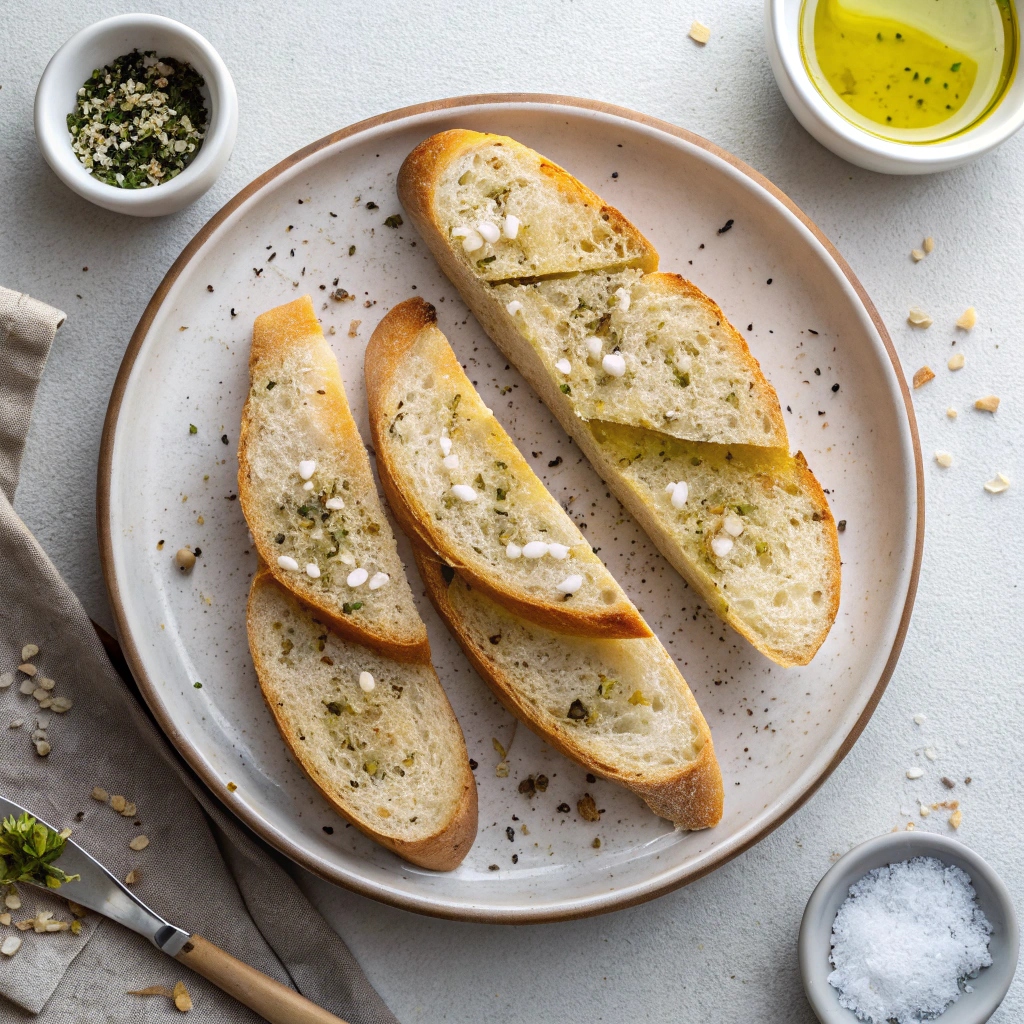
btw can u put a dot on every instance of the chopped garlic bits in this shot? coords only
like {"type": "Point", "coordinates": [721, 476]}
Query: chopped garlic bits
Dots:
{"type": "Point", "coordinates": [366, 682]}
{"type": "Point", "coordinates": [917, 255]}
{"type": "Point", "coordinates": [464, 492]}
{"type": "Point", "coordinates": [944, 459]}
{"type": "Point", "coordinates": [997, 485]}
{"type": "Point", "coordinates": [614, 365]}
{"type": "Point", "coordinates": [987, 404]}
{"type": "Point", "coordinates": [956, 361]}
{"type": "Point", "coordinates": [570, 585]}
{"type": "Point", "coordinates": [917, 317]}
{"type": "Point", "coordinates": [925, 374]}
{"type": "Point", "coordinates": [357, 577]}
{"type": "Point", "coordinates": [968, 318]}
{"type": "Point", "coordinates": [699, 33]}
{"type": "Point", "coordinates": [929, 244]}
{"type": "Point", "coordinates": [915, 773]}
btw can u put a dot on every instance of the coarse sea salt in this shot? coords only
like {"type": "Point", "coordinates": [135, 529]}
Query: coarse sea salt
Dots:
{"type": "Point", "coordinates": [905, 938]}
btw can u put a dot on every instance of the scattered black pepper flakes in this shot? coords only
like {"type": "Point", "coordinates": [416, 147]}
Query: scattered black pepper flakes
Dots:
{"type": "Point", "coordinates": [947, 782]}
{"type": "Point", "coordinates": [233, 313]}
{"type": "Point", "coordinates": [615, 174]}
{"type": "Point", "coordinates": [496, 639]}
{"type": "Point", "coordinates": [448, 573]}
{"type": "Point", "coordinates": [528, 787]}
{"type": "Point", "coordinates": [591, 778]}
{"type": "Point", "coordinates": [750, 327]}
{"type": "Point", "coordinates": [727, 226]}
{"type": "Point", "coordinates": [271, 257]}
{"type": "Point", "coordinates": [817, 371]}
{"type": "Point", "coordinates": [511, 833]}
{"type": "Point", "coordinates": [224, 439]}
{"type": "Point", "coordinates": [492, 867]}
{"type": "Point", "coordinates": [279, 538]}
{"type": "Point", "coordinates": [769, 280]}
{"type": "Point", "coordinates": [967, 781]}
{"type": "Point", "coordinates": [556, 461]}
{"type": "Point", "coordinates": [257, 271]}
{"type": "Point", "coordinates": [331, 214]}
{"type": "Point", "coordinates": [374, 206]}
{"type": "Point", "coordinates": [789, 408]}
{"type": "Point", "coordinates": [198, 552]}
{"type": "Point", "coordinates": [563, 808]}
{"type": "Point", "coordinates": [577, 710]}
{"type": "Point", "coordinates": [329, 829]}
{"type": "Point", "coordinates": [821, 412]}
{"type": "Point", "coordinates": [473, 765]}
{"type": "Point", "coordinates": [541, 782]}
{"type": "Point", "coordinates": [209, 287]}
{"type": "Point", "coordinates": [351, 250]}
{"type": "Point", "coordinates": [841, 526]}
{"type": "Point", "coordinates": [587, 808]}
{"type": "Point", "coordinates": [79, 815]}
{"type": "Point", "coordinates": [394, 221]}
{"type": "Point", "coordinates": [515, 858]}
{"type": "Point", "coordinates": [811, 330]}
{"type": "Point", "coordinates": [341, 295]}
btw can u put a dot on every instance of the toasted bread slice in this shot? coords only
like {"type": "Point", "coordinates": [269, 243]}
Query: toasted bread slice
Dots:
{"type": "Point", "coordinates": [620, 708]}
{"type": "Point", "coordinates": [754, 536]}
{"type": "Point", "coordinates": [392, 760]}
{"type": "Point", "coordinates": [529, 335]}
{"type": "Point", "coordinates": [510, 213]}
{"type": "Point", "coordinates": [307, 492]}
{"type": "Point", "coordinates": [459, 486]}
{"type": "Point", "coordinates": [648, 350]}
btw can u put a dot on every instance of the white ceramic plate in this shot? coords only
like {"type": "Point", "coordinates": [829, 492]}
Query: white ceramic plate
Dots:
{"type": "Point", "coordinates": [778, 733]}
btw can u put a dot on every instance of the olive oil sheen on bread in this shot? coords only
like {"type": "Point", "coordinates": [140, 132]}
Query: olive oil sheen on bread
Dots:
{"type": "Point", "coordinates": [914, 71]}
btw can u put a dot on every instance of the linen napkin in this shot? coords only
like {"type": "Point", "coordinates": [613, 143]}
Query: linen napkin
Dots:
{"type": "Point", "coordinates": [201, 870]}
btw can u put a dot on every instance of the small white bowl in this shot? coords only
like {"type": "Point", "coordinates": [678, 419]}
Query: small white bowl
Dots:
{"type": "Point", "coordinates": [95, 47]}
{"type": "Point", "coordinates": [832, 130]}
{"type": "Point", "coordinates": [991, 985]}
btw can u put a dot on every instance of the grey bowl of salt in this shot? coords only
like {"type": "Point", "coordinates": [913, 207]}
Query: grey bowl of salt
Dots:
{"type": "Point", "coordinates": [927, 931]}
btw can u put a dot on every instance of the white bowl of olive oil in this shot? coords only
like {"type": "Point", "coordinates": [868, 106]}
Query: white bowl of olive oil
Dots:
{"type": "Point", "coordinates": [900, 86]}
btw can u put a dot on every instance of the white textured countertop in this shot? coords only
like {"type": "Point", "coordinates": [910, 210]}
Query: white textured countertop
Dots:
{"type": "Point", "coordinates": [723, 949]}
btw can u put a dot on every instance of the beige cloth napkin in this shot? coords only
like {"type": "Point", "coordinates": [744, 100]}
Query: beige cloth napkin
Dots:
{"type": "Point", "coordinates": [202, 869]}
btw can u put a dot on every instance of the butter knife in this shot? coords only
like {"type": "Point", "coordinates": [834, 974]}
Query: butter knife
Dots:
{"type": "Point", "coordinates": [100, 891]}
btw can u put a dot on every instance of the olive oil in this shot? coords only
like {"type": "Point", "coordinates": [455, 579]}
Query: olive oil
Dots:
{"type": "Point", "coordinates": [912, 71]}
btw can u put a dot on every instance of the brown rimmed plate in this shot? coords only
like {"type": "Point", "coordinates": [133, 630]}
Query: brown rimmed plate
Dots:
{"type": "Point", "coordinates": [317, 222]}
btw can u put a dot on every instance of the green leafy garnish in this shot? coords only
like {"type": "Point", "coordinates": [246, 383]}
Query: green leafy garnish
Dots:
{"type": "Point", "coordinates": [27, 851]}
{"type": "Point", "coordinates": [394, 221]}
{"type": "Point", "coordinates": [955, 67]}
{"type": "Point", "coordinates": [565, 389]}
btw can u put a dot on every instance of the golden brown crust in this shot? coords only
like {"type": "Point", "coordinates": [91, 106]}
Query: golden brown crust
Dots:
{"type": "Point", "coordinates": [274, 333]}
{"type": "Point", "coordinates": [424, 168]}
{"type": "Point", "coordinates": [444, 850]}
{"type": "Point", "coordinates": [764, 394]}
{"type": "Point", "coordinates": [690, 797]}
{"type": "Point", "coordinates": [394, 337]}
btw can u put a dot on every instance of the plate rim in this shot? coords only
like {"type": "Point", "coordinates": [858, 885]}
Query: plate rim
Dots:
{"type": "Point", "coordinates": [524, 914]}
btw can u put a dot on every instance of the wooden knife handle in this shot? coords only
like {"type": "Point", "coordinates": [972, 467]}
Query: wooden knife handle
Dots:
{"type": "Point", "coordinates": [273, 1001]}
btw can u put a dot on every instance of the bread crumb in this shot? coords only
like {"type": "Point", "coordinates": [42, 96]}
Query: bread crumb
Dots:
{"type": "Point", "coordinates": [29, 651]}
{"type": "Point", "coordinates": [925, 374]}
{"type": "Point", "coordinates": [944, 459]}
{"type": "Point", "coordinates": [10, 945]}
{"type": "Point", "coordinates": [353, 328]}
{"type": "Point", "coordinates": [955, 818]}
{"type": "Point", "coordinates": [968, 318]}
{"type": "Point", "coordinates": [131, 878]}
{"type": "Point", "coordinates": [914, 773]}
{"type": "Point", "coordinates": [987, 404]}
{"type": "Point", "coordinates": [952, 413]}
{"type": "Point", "coordinates": [929, 244]}
{"type": "Point", "coordinates": [153, 990]}
{"type": "Point", "coordinates": [956, 361]}
{"type": "Point", "coordinates": [917, 317]}
{"type": "Point", "coordinates": [700, 33]}
{"type": "Point", "coordinates": [182, 1000]}
{"type": "Point", "coordinates": [28, 669]}
{"type": "Point", "coordinates": [139, 843]}
{"type": "Point", "coordinates": [118, 803]}
{"type": "Point", "coordinates": [5, 918]}
{"type": "Point", "coordinates": [997, 485]}
{"type": "Point", "coordinates": [917, 255]}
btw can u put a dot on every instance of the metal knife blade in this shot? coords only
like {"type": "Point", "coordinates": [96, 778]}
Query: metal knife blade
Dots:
{"type": "Point", "coordinates": [99, 890]}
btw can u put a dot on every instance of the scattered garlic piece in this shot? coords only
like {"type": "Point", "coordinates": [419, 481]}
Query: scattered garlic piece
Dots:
{"type": "Point", "coordinates": [952, 413]}
{"type": "Point", "coordinates": [917, 255]}
{"type": "Point", "coordinates": [956, 818]}
{"type": "Point", "coordinates": [366, 682]}
{"type": "Point", "coordinates": [917, 317]}
{"type": "Point", "coordinates": [29, 651]}
{"type": "Point", "coordinates": [570, 585]}
{"type": "Point", "coordinates": [700, 33]}
{"type": "Point", "coordinates": [915, 773]}
{"type": "Point", "coordinates": [925, 374]}
{"type": "Point", "coordinates": [944, 459]}
{"type": "Point", "coordinates": [956, 361]}
{"type": "Point", "coordinates": [10, 945]}
{"type": "Point", "coordinates": [930, 753]}
{"type": "Point", "coordinates": [968, 318]}
{"type": "Point", "coordinates": [998, 485]}
{"type": "Point", "coordinates": [929, 244]}
{"type": "Point", "coordinates": [139, 843]}
{"type": "Point", "coordinates": [987, 404]}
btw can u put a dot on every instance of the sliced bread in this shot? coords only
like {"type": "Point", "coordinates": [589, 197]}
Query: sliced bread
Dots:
{"type": "Point", "coordinates": [620, 708]}
{"type": "Point", "coordinates": [459, 486]}
{"type": "Point", "coordinates": [308, 494]}
{"type": "Point", "coordinates": [646, 350]}
{"type": "Point", "coordinates": [510, 213]}
{"type": "Point", "coordinates": [377, 737]}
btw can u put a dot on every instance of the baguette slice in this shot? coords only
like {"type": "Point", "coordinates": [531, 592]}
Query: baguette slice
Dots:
{"type": "Point", "coordinates": [426, 416]}
{"type": "Point", "coordinates": [459, 179]}
{"type": "Point", "coordinates": [687, 371]}
{"type": "Point", "coordinates": [778, 582]}
{"type": "Point", "coordinates": [297, 411]}
{"type": "Point", "coordinates": [620, 708]}
{"type": "Point", "coordinates": [393, 761]}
